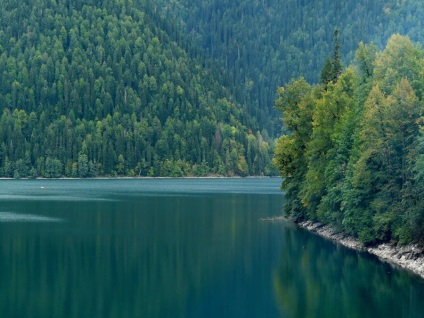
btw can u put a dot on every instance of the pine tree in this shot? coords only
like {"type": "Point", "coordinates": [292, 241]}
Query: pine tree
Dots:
{"type": "Point", "coordinates": [327, 72]}
{"type": "Point", "coordinates": [337, 65]}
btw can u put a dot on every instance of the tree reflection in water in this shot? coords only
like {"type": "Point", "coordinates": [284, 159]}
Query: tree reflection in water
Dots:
{"type": "Point", "coordinates": [317, 278]}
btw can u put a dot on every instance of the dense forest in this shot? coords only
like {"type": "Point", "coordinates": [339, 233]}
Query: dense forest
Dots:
{"type": "Point", "coordinates": [98, 88]}
{"type": "Point", "coordinates": [354, 153]}
{"type": "Point", "coordinates": [266, 43]}
{"type": "Point", "coordinates": [166, 88]}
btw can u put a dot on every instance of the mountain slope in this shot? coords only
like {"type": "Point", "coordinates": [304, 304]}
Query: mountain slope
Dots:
{"type": "Point", "coordinates": [98, 88]}
{"type": "Point", "coordinates": [267, 43]}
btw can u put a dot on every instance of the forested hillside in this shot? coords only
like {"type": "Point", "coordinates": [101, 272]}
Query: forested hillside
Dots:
{"type": "Point", "coordinates": [354, 154]}
{"type": "Point", "coordinates": [265, 43]}
{"type": "Point", "coordinates": [99, 88]}
{"type": "Point", "coordinates": [155, 87]}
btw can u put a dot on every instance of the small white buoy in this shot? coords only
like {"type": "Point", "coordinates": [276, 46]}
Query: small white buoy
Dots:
{"type": "Point", "coordinates": [41, 187]}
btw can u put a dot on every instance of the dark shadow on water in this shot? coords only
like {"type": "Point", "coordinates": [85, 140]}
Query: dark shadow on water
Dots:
{"type": "Point", "coordinates": [317, 278]}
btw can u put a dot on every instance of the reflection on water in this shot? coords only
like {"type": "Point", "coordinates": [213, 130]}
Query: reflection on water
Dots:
{"type": "Point", "coordinates": [19, 217]}
{"type": "Point", "coordinates": [174, 254]}
{"type": "Point", "coordinates": [180, 248]}
{"type": "Point", "coordinates": [316, 278]}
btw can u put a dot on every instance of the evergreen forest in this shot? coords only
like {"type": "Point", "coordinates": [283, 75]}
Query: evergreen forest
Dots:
{"type": "Point", "coordinates": [166, 88]}
{"type": "Point", "coordinates": [266, 43]}
{"type": "Point", "coordinates": [353, 156]}
{"type": "Point", "coordinates": [98, 88]}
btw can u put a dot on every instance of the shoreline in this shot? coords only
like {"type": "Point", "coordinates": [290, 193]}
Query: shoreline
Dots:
{"type": "Point", "coordinates": [408, 257]}
{"type": "Point", "coordinates": [142, 177]}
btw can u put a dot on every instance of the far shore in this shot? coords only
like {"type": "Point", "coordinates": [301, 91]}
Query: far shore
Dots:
{"type": "Point", "coordinates": [141, 177]}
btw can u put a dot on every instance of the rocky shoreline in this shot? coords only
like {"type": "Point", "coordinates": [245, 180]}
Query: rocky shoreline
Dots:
{"type": "Point", "coordinates": [409, 257]}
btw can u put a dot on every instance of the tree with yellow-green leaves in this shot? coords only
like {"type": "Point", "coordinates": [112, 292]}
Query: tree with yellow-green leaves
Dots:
{"type": "Point", "coordinates": [297, 106]}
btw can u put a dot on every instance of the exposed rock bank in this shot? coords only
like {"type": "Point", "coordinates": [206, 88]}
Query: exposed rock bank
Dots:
{"type": "Point", "coordinates": [410, 257]}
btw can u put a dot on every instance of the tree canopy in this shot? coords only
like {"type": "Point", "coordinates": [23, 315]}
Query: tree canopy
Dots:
{"type": "Point", "coordinates": [357, 165]}
{"type": "Point", "coordinates": [265, 44]}
{"type": "Point", "coordinates": [93, 88]}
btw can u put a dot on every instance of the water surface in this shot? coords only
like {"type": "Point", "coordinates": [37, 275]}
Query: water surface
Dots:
{"type": "Point", "coordinates": [180, 248]}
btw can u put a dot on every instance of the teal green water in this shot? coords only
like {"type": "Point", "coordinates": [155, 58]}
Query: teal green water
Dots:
{"type": "Point", "coordinates": [180, 248]}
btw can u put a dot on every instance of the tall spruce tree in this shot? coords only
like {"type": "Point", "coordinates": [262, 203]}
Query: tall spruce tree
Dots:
{"type": "Point", "coordinates": [337, 65]}
{"type": "Point", "coordinates": [332, 68]}
{"type": "Point", "coordinates": [327, 72]}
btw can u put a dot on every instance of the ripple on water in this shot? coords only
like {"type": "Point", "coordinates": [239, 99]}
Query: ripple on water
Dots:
{"type": "Point", "coordinates": [19, 217]}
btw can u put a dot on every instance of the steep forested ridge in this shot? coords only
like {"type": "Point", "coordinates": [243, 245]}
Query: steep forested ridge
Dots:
{"type": "Point", "coordinates": [354, 153]}
{"type": "Point", "coordinates": [155, 87]}
{"type": "Point", "coordinates": [266, 43]}
{"type": "Point", "coordinates": [93, 88]}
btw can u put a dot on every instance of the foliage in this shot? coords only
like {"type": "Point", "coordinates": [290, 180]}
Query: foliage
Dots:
{"type": "Point", "coordinates": [267, 43]}
{"type": "Point", "coordinates": [362, 158]}
{"type": "Point", "coordinates": [296, 103]}
{"type": "Point", "coordinates": [101, 88]}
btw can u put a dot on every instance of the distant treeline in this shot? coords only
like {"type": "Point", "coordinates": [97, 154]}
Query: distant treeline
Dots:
{"type": "Point", "coordinates": [354, 153]}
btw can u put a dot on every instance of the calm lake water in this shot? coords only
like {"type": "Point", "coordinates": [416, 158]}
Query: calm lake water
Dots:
{"type": "Point", "coordinates": [180, 248]}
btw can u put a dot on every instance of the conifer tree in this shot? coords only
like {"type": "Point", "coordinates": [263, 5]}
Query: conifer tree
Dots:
{"type": "Point", "coordinates": [337, 65]}
{"type": "Point", "coordinates": [327, 72]}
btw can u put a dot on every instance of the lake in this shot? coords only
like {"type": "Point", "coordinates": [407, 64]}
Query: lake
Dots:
{"type": "Point", "coordinates": [180, 248]}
